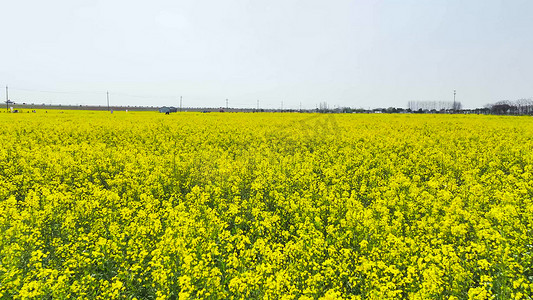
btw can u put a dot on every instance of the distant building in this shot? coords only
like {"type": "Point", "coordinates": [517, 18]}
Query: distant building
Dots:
{"type": "Point", "coordinates": [167, 110]}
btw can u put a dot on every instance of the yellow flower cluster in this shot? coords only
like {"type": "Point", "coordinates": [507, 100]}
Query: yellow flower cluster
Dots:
{"type": "Point", "coordinates": [293, 206]}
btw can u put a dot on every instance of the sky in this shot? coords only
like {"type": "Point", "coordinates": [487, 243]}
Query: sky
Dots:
{"type": "Point", "coordinates": [360, 54]}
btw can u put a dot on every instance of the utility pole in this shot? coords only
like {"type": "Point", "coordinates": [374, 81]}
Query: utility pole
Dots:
{"type": "Point", "coordinates": [7, 99]}
{"type": "Point", "coordinates": [300, 106]}
{"type": "Point", "coordinates": [281, 105]}
{"type": "Point", "coordinates": [108, 101]}
{"type": "Point", "coordinates": [227, 104]}
{"type": "Point", "coordinates": [257, 104]}
{"type": "Point", "coordinates": [181, 98]}
{"type": "Point", "coordinates": [454, 106]}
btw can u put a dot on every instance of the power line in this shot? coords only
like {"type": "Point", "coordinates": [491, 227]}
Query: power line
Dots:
{"type": "Point", "coordinates": [90, 92]}
{"type": "Point", "coordinates": [54, 92]}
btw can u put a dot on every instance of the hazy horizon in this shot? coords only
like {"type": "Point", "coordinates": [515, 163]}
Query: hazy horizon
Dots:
{"type": "Point", "coordinates": [361, 54]}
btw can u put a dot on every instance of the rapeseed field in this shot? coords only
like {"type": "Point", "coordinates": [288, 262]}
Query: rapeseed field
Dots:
{"type": "Point", "coordinates": [142, 205]}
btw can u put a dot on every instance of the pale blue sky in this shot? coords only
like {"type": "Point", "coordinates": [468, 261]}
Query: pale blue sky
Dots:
{"type": "Point", "coordinates": [347, 53]}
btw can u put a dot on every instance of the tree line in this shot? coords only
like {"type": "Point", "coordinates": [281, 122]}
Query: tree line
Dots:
{"type": "Point", "coordinates": [508, 107]}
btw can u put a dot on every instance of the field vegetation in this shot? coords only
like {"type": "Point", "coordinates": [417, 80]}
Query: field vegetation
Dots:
{"type": "Point", "coordinates": [262, 205]}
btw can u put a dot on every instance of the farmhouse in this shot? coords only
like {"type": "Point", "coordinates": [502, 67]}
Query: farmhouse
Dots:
{"type": "Point", "coordinates": [167, 110]}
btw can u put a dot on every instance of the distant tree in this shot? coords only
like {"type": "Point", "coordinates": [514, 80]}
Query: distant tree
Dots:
{"type": "Point", "coordinates": [323, 107]}
{"type": "Point", "coordinates": [346, 110]}
{"type": "Point", "coordinates": [501, 108]}
{"type": "Point", "coordinates": [525, 106]}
